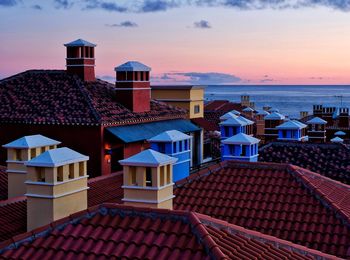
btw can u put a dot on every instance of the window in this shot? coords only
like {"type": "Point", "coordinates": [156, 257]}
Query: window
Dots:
{"type": "Point", "coordinates": [186, 145]}
{"type": "Point", "coordinates": [196, 109]}
{"type": "Point", "coordinates": [168, 175]}
{"type": "Point", "coordinates": [180, 146]}
{"type": "Point", "coordinates": [81, 169]}
{"type": "Point", "coordinates": [174, 147]}
{"type": "Point", "coordinates": [226, 131]}
{"type": "Point", "coordinates": [149, 177]}
{"type": "Point", "coordinates": [71, 171]}
{"type": "Point", "coordinates": [132, 171]}
{"type": "Point", "coordinates": [232, 149]}
{"type": "Point", "coordinates": [42, 149]}
{"type": "Point", "coordinates": [32, 153]}
{"type": "Point", "coordinates": [244, 152]}
{"type": "Point", "coordinates": [161, 147]}
{"type": "Point", "coordinates": [40, 174]}
{"type": "Point", "coordinates": [162, 175]}
{"type": "Point", "coordinates": [60, 173]}
{"type": "Point", "coordinates": [18, 156]}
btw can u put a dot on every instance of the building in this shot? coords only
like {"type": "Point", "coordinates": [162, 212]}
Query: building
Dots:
{"type": "Point", "coordinates": [292, 130]}
{"type": "Point", "coordinates": [240, 147]}
{"type": "Point", "coordinates": [190, 98]}
{"type": "Point", "coordinates": [260, 122]}
{"type": "Point", "coordinates": [178, 145]}
{"type": "Point", "coordinates": [271, 122]}
{"type": "Point", "coordinates": [316, 130]}
{"type": "Point", "coordinates": [88, 114]}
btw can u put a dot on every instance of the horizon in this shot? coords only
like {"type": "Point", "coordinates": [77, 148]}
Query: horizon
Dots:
{"type": "Point", "coordinates": [199, 42]}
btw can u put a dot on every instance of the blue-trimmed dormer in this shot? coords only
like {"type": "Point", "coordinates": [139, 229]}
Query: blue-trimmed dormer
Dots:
{"type": "Point", "coordinates": [292, 130]}
{"type": "Point", "coordinates": [240, 147]}
{"type": "Point", "coordinates": [176, 144]}
{"type": "Point", "coordinates": [231, 127]}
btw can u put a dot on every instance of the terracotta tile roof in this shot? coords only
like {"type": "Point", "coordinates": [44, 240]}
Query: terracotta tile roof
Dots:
{"type": "Point", "coordinates": [3, 183]}
{"type": "Point", "coordinates": [273, 199]}
{"type": "Point", "coordinates": [55, 97]}
{"type": "Point", "coordinates": [13, 213]}
{"type": "Point", "coordinates": [222, 106]}
{"type": "Point", "coordinates": [331, 160]}
{"type": "Point", "coordinates": [112, 230]}
{"type": "Point", "coordinates": [206, 124]}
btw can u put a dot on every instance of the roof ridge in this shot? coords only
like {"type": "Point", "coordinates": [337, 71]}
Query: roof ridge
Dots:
{"type": "Point", "coordinates": [205, 238]}
{"type": "Point", "coordinates": [248, 233]}
{"type": "Point", "coordinates": [321, 196]}
{"type": "Point", "coordinates": [85, 93]}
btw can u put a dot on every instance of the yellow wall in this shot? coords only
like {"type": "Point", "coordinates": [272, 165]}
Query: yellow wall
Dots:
{"type": "Point", "coordinates": [184, 98]}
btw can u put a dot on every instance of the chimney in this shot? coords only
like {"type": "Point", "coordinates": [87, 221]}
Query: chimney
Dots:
{"type": "Point", "coordinates": [240, 147]}
{"type": "Point", "coordinates": [303, 114]}
{"type": "Point", "coordinates": [343, 117]}
{"type": "Point", "coordinates": [19, 152]}
{"type": "Point", "coordinates": [133, 86]}
{"type": "Point", "coordinates": [148, 180]}
{"type": "Point", "coordinates": [56, 186]}
{"type": "Point", "coordinates": [81, 59]}
{"type": "Point", "coordinates": [176, 144]}
{"type": "Point", "coordinates": [316, 130]}
{"type": "Point", "coordinates": [245, 101]}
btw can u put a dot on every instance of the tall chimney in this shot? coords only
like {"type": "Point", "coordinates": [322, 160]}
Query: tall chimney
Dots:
{"type": "Point", "coordinates": [148, 180]}
{"type": "Point", "coordinates": [343, 117]}
{"type": "Point", "coordinates": [56, 186]}
{"type": "Point", "coordinates": [81, 59]}
{"type": "Point", "coordinates": [133, 86]}
{"type": "Point", "coordinates": [19, 152]}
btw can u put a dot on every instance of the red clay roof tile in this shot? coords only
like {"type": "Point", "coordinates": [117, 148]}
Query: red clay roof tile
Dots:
{"type": "Point", "coordinates": [56, 97]}
{"type": "Point", "coordinates": [279, 200]}
{"type": "Point", "coordinates": [167, 235]}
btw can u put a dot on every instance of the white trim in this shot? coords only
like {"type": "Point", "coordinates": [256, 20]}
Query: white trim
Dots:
{"type": "Point", "coordinates": [80, 58]}
{"type": "Point", "coordinates": [132, 81]}
{"type": "Point", "coordinates": [149, 201]}
{"type": "Point", "coordinates": [16, 171]}
{"type": "Point", "coordinates": [41, 183]}
{"type": "Point", "coordinates": [55, 196]}
{"type": "Point", "coordinates": [81, 65]}
{"type": "Point", "coordinates": [132, 88]}
{"type": "Point", "coordinates": [182, 162]}
{"type": "Point", "coordinates": [237, 156]}
{"type": "Point", "coordinates": [14, 161]}
{"type": "Point", "coordinates": [179, 100]}
{"type": "Point", "coordinates": [186, 151]}
{"type": "Point", "coordinates": [147, 188]}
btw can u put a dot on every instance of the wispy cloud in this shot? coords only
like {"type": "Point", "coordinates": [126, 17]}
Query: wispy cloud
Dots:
{"type": "Point", "coordinates": [8, 3]}
{"type": "Point", "coordinates": [123, 24]}
{"type": "Point", "coordinates": [158, 5]}
{"type": "Point", "coordinates": [202, 24]}
{"type": "Point", "coordinates": [197, 78]}
{"type": "Point", "coordinates": [64, 4]}
{"type": "Point", "coordinates": [37, 7]}
{"type": "Point", "coordinates": [106, 6]}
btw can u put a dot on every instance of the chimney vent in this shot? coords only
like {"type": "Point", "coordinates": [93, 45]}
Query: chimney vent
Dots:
{"type": "Point", "coordinates": [133, 86]}
{"type": "Point", "coordinates": [81, 59]}
{"type": "Point", "coordinates": [56, 186]}
{"type": "Point", "coordinates": [19, 152]}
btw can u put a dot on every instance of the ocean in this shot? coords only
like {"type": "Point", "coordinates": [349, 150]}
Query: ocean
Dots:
{"type": "Point", "coordinates": [289, 99]}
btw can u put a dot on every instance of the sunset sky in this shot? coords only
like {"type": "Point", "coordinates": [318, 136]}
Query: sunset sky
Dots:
{"type": "Point", "coordinates": [185, 41]}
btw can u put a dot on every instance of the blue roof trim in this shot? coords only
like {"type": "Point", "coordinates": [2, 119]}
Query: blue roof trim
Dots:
{"type": "Point", "coordinates": [140, 132]}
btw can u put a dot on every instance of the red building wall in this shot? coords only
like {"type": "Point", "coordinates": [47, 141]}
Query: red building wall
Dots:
{"type": "Point", "coordinates": [84, 139]}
